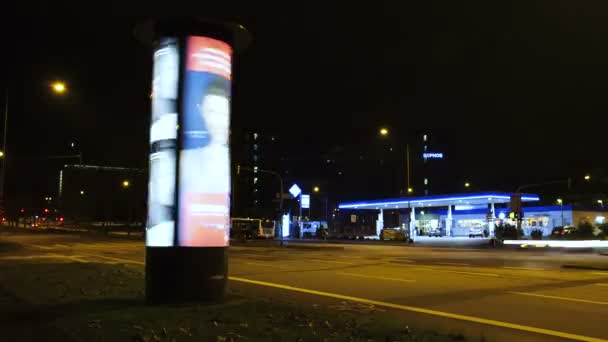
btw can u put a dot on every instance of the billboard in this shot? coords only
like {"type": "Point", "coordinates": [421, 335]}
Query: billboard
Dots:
{"type": "Point", "coordinates": [204, 155]}
{"type": "Point", "coordinates": [160, 227]}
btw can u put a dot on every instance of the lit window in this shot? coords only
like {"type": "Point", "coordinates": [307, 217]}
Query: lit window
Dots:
{"type": "Point", "coordinates": [426, 181]}
{"type": "Point", "coordinates": [425, 148]}
{"type": "Point", "coordinates": [424, 137]}
{"type": "Point", "coordinates": [255, 136]}
{"type": "Point", "coordinates": [255, 147]}
{"type": "Point", "coordinates": [255, 157]}
{"type": "Point", "coordinates": [255, 169]}
{"type": "Point", "coordinates": [255, 180]}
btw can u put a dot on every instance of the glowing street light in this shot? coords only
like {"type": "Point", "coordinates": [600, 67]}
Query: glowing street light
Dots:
{"type": "Point", "coordinates": [125, 184]}
{"type": "Point", "coordinates": [467, 184]}
{"type": "Point", "coordinates": [600, 202]}
{"type": "Point", "coordinates": [1, 154]}
{"type": "Point", "coordinates": [587, 177]}
{"type": "Point", "coordinates": [59, 87]}
{"type": "Point", "coordinates": [560, 201]}
{"type": "Point", "coordinates": [82, 192]}
{"type": "Point", "coordinates": [315, 189]}
{"type": "Point", "coordinates": [410, 190]}
{"type": "Point", "coordinates": [383, 132]}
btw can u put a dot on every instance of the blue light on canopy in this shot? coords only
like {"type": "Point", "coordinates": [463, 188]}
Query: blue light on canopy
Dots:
{"type": "Point", "coordinates": [444, 200]}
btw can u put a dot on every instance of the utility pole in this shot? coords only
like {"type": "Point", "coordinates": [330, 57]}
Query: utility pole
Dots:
{"type": "Point", "coordinates": [3, 171]}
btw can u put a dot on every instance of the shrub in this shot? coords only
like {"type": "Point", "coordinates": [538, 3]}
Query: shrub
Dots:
{"type": "Point", "coordinates": [604, 228]}
{"type": "Point", "coordinates": [506, 231]}
{"type": "Point", "coordinates": [583, 232]}
{"type": "Point", "coordinates": [536, 234]}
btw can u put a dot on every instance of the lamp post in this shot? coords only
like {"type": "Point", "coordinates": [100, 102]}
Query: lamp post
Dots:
{"type": "Point", "coordinates": [384, 132]}
{"type": "Point", "coordinates": [58, 88]}
{"type": "Point", "coordinates": [561, 204]}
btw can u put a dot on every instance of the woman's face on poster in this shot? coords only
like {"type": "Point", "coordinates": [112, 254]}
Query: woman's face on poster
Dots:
{"type": "Point", "coordinates": [215, 110]}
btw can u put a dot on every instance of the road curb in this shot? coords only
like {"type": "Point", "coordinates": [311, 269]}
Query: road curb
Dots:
{"type": "Point", "coordinates": [584, 267]}
{"type": "Point", "coordinates": [316, 248]}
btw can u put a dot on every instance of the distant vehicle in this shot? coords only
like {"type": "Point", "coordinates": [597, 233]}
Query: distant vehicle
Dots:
{"type": "Point", "coordinates": [475, 231]}
{"type": "Point", "coordinates": [314, 229]}
{"type": "Point", "coordinates": [393, 234]}
{"type": "Point", "coordinates": [248, 228]}
{"type": "Point", "coordinates": [435, 232]}
{"type": "Point", "coordinates": [562, 231]}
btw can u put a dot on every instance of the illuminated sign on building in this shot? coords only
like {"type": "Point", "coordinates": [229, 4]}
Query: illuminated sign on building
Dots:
{"type": "Point", "coordinates": [432, 155]}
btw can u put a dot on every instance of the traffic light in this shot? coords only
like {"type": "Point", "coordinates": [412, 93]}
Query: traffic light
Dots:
{"type": "Point", "coordinates": [46, 210]}
{"type": "Point", "coordinates": [516, 216]}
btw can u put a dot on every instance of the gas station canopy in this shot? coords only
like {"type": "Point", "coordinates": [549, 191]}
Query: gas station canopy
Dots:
{"type": "Point", "coordinates": [477, 198]}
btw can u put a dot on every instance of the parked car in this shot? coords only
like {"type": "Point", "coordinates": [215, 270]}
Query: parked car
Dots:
{"type": "Point", "coordinates": [435, 232]}
{"type": "Point", "coordinates": [393, 234]}
{"type": "Point", "coordinates": [559, 232]}
{"type": "Point", "coordinates": [474, 232]}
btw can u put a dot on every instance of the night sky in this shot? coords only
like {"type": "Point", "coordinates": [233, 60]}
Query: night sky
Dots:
{"type": "Point", "coordinates": [516, 93]}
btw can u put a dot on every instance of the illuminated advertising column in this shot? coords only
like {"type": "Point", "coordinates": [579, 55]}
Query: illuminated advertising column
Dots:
{"type": "Point", "coordinates": [187, 233]}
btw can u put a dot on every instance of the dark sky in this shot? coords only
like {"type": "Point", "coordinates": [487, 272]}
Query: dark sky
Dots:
{"type": "Point", "coordinates": [517, 91]}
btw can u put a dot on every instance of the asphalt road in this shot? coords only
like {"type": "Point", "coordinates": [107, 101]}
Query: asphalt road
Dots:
{"type": "Point", "coordinates": [498, 294]}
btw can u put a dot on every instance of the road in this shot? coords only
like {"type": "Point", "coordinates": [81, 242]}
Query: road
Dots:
{"type": "Point", "coordinates": [498, 294]}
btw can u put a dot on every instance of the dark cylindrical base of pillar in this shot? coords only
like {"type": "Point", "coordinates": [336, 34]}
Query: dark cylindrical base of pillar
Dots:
{"type": "Point", "coordinates": [186, 274]}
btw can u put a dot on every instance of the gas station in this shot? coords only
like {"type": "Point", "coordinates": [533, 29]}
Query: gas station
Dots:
{"type": "Point", "coordinates": [451, 215]}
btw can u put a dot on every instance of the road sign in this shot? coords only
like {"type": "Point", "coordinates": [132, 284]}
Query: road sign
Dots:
{"type": "Point", "coordinates": [295, 190]}
{"type": "Point", "coordinates": [305, 201]}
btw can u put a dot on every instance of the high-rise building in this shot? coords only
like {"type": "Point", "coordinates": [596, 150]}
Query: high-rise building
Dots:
{"type": "Point", "coordinates": [254, 191]}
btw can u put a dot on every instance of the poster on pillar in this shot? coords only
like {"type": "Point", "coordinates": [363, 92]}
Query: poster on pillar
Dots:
{"type": "Point", "coordinates": [160, 227]}
{"type": "Point", "coordinates": [204, 165]}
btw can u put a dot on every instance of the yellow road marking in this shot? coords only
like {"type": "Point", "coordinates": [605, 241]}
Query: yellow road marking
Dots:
{"type": "Point", "coordinates": [425, 311]}
{"type": "Point", "coordinates": [247, 254]}
{"type": "Point", "coordinates": [38, 246]}
{"type": "Point", "coordinates": [601, 284]}
{"type": "Point", "coordinates": [559, 298]}
{"type": "Point", "coordinates": [333, 262]}
{"type": "Point", "coordinates": [374, 277]}
{"type": "Point", "coordinates": [524, 268]}
{"type": "Point", "coordinates": [453, 264]}
{"type": "Point", "coordinates": [600, 273]}
{"type": "Point", "coordinates": [114, 259]}
{"type": "Point", "coordinates": [64, 246]}
{"type": "Point", "coordinates": [458, 272]}
{"type": "Point", "coordinates": [265, 265]}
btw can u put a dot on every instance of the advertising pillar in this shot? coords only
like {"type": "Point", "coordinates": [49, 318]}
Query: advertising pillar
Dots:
{"type": "Point", "coordinates": [187, 232]}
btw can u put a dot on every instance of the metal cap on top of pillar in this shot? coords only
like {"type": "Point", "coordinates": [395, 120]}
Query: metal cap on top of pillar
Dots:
{"type": "Point", "coordinates": [187, 233]}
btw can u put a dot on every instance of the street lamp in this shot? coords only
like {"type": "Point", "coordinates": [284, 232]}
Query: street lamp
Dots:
{"type": "Point", "coordinates": [125, 184]}
{"type": "Point", "coordinates": [383, 132]}
{"type": "Point", "coordinates": [315, 189]}
{"type": "Point", "coordinates": [82, 192]}
{"type": "Point", "coordinates": [587, 177]}
{"type": "Point", "coordinates": [59, 87]}
{"type": "Point", "coordinates": [561, 204]}
{"type": "Point", "coordinates": [467, 184]}
{"type": "Point", "coordinates": [410, 190]}
{"type": "Point", "coordinates": [600, 202]}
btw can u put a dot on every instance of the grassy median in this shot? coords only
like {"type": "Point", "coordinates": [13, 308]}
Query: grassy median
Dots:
{"type": "Point", "coordinates": [50, 297]}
